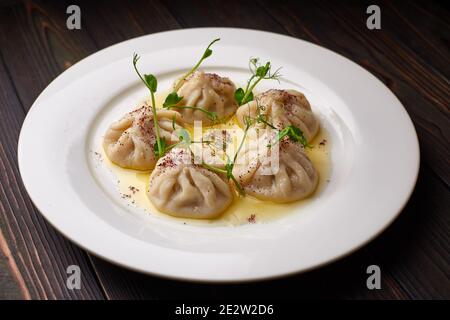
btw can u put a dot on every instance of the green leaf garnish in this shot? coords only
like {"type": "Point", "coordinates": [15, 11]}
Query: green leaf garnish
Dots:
{"type": "Point", "coordinates": [206, 54]}
{"type": "Point", "coordinates": [263, 70]}
{"type": "Point", "coordinates": [152, 84]}
{"type": "Point", "coordinates": [239, 95]}
{"type": "Point", "coordinates": [293, 133]}
{"type": "Point", "coordinates": [151, 81]}
{"type": "Point", "coordinates": [259, 72]}
{"type": "Point", "coordinates": [171, 100]}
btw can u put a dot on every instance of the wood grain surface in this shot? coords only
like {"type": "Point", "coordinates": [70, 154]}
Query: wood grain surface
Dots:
{"type": "Point", "coordinates": [410, 54]}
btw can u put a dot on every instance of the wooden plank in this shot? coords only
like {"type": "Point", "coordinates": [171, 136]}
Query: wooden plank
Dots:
{"type": "Point", "coordinates": [109, 22]}
{"type": "Point", "coordinates": [12, 283]}
{"type": "Point", "coordinates": [415, 248]}
{"type": "Point", "coordinates": [215, 13]}
{"type": "Point", "coordinates": [37, 45]}
{"type": "Point", "coordinates": [423, 92]}
{"type": "Point", "coordinates": [38, 255]}
{"type": "Point", "coordinates": [423, 33]}
{"type": "Point", "coordinates": [345, 279]}
{"type": "Point", "coordinates": [412, 253]}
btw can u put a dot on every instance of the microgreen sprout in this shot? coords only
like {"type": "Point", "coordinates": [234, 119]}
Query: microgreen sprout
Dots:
{"type": "Point", "coordinates": [261, 117]}
{"type": "Point", "coordinates": [173, 99]}
{"type": "Point", "coordinates": [259, 72]}
{"type": "Point", "coordinates": [295, 134]}
{"type": "Point", "coordinates": [210, 114]}
{"type": "Point", "coordinates": [184, 139]}
{"type": "Point", "coordinates": [230, 165]}
{"type": "Point", "coordinates": [160, 152]}
{"type": "Point", "coordinates": [228, 172]}
{"type": "Point", "coordinates": [174, 122]}
{"type": "Point", "coordinates": [292, 132]}
{"type": "Point", "coordinates": [152, 84]}
{"type": "Point", "coordinates": [206, 54]}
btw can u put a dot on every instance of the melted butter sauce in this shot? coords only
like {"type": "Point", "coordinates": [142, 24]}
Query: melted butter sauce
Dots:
{"type": "Point", "coordinates": [133, 185]}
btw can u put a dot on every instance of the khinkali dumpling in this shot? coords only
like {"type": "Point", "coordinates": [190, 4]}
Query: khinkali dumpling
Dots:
{"type": "Point", "coordinates": [129, 142]}
{"type": "Point", "coordinates": [181, 188]}
{"type": "Point", "coordinates": [207, 91]}
{"type": "Point", "coordinates": [281, 108]}
{"type": "Point", "coordinates": [281, 173]}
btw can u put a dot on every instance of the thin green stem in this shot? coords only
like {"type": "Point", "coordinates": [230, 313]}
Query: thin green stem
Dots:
{"type": "Point", "coordinates": [218, 170]}
{"type": "Point", "coordinates": [211, 115]}
{"type": "Point", "coordinates": [249, 82]}
{"type": "Point", "coordinates": [173, 146]}
{"type": "Point", "coordinates": [242, 143]}
{"type": "Point", "coordinates": [238, 185]}
{"type": "Point", "coordinates": [250, 89]}
{"type": "Point", "coordinates": [135, 60]}
{"type": "Point", "coordinates": [204, 56]}
{"type": "Point", "coordinates": [215, 169]}
{"type": "Point", "coordinates": [155, 122]}
{"type": "Point", "coordinates": [267, 124]}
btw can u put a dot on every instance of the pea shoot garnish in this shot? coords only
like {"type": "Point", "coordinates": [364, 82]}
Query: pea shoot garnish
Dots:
{"type": "Point", "coordinates": [173, 99]}
{"type": "Point", "coordinates": [208, 52]}
{"type": "Point", "coordinates": [261, 117]}
{"type": "Point", "coordinates": [294, 134]}
{"type": "Point", "coordinates": [259, 72]}
{"type": "Point", "coordinates": [151, 83]}
{"type": "Point", "coordinates": [210, 114]}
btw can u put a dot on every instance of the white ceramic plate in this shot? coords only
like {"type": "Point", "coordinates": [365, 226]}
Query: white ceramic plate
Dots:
{"type": "Point", "coordinates": [375, 159]}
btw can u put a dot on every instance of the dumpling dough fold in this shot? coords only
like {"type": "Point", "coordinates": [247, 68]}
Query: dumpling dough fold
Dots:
{"type": "Point", "coordinates": [129, 142]}
{"type": "Point", "coordinates": [281, 108]}
{"type": "Point", "coordinates": [207, 91]}
{"type": "Point", "coordinates": [285, 176]}
{"type": "Point", "coordinates": [183, 189]}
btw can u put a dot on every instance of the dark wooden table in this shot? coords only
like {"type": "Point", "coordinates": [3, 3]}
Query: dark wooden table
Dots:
{"type": "Point", "coordinates": [410, 54]}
